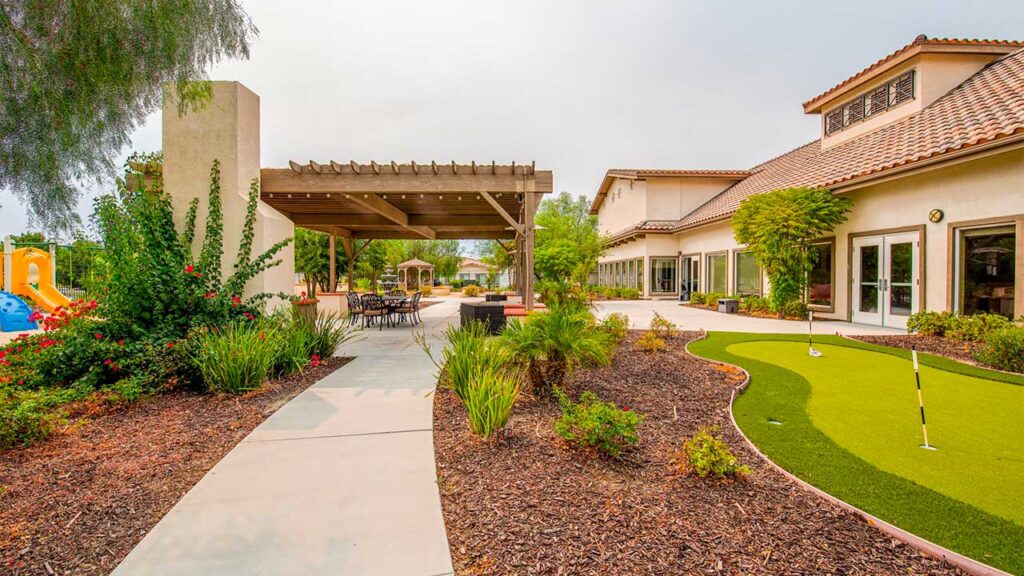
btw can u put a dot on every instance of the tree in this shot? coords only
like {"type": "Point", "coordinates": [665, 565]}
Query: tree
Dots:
{"type": "Point", "coordinates": [76, 78]}
{"type": "Point", "coordinates": [778, 227]}
{"type": "Point", "coordinates": [312, 258]}
{"type": "Point", "coordinates": [567, 243]}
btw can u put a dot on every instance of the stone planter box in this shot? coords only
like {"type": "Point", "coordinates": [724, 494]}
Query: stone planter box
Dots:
{"type": "Point", "coordinates": [491, 313]}
{"type": "Point", "coordinates": [306, 309]}
{"type": "Point", "coordinates": [728, 305]}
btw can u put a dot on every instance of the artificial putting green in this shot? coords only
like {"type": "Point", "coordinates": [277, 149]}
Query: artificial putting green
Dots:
{"type": "Point", "coordinates": [848, 423]}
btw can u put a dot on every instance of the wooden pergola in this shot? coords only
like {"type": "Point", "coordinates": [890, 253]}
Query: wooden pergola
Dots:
{"type": "Point", "coordinates": [354, 201]}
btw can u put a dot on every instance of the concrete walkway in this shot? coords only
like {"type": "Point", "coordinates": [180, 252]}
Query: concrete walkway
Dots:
{"type": "Point", "coordinates": [641, 312]}
{"type": "Point", "coordinates": [341, 480]}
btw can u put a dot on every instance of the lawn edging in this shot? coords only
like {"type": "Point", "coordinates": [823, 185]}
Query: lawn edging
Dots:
{"type": "Point", "coordinates": [928, 547]}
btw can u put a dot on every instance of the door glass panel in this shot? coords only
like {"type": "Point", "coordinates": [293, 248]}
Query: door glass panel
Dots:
{"type": "Point", "coordinates": [987, 271]}
{"type": "Point", "coordinates": [663, 275]}
{"type": "Point", "coordinates": [869, 279]}
{"type": "Point", "coordinates": [901, 277]}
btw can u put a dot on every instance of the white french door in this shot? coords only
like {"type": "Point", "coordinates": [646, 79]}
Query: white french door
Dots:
{"type": "Point", "coordinates": [886, 279]}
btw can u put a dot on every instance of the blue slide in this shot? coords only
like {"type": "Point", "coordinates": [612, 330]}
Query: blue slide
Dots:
{"type": "Point", "coordinates": [14, 314]}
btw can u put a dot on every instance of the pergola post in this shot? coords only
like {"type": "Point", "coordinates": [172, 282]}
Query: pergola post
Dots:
{"type": "Point", "coordinates": [528, 233]}
{"type": "Point", "coordinates": [332, 274]}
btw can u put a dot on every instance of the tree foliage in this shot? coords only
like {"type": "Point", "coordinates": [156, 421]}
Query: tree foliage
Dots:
{"type": "Point", "coordinates": [76, 78]}
{"type": "Point", "coordinates": [779, 226]}
{"type": "Point", "coordinates": [567, 243]}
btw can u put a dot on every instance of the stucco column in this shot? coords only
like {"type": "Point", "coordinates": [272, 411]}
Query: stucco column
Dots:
{"type": "Point", "coordinates": [8, 258]}
{"type": "Point", "coordinates": [226, 129]}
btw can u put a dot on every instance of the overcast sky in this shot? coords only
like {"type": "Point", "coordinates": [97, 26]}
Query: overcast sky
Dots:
{"type": "Point", "coordinates": [578, 86]}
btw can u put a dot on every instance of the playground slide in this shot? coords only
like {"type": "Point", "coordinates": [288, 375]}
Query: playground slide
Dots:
{"type": "Point", "coordinates": [47, 297]}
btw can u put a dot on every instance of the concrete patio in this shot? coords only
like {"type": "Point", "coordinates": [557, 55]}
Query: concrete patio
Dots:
{"type": "Point", "coordinates": [340, 480]}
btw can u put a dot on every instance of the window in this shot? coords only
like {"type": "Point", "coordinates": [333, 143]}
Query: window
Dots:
{"type": "Point", "coordinates": [640, 274]}
{"type": "Point", "coordinates": [748, 275]}
{"type": "Point", "coordinates": [891, 94]}
{"type": "Point", "coordinates": [630, 274]}
{"type": "Point", "coordinates": [663, 275]}
{"type": "Point", "coordinates": [986, 271]}
{"type": "Point", "coordinates": [717, 269]}
{"type": "Point", "coordinates": [819, 278]}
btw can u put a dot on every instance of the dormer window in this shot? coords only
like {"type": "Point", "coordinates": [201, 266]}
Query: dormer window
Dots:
{"type": "Point", "coordinates": [889, 95]}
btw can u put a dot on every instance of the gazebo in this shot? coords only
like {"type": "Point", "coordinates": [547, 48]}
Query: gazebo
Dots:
{"type": "Point", "coordinates": [420, 267]}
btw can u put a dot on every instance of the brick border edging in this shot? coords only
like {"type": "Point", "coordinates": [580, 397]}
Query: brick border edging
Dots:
{"type": "Point", "coordinates": [927, 547]}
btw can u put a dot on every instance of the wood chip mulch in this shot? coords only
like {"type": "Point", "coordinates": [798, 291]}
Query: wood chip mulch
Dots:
{"type": "Point", "coordinates": [528, 504]}
{"type": "Point", "coordinates": [937, 345]}
{"type": "Point", "coordinates": [78, 502]}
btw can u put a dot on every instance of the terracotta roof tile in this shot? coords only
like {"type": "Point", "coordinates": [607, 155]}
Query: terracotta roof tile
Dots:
{"type": "Point", "coordinates": [987, 107]}
{"type": "Point", "coordinates": [645, 172]}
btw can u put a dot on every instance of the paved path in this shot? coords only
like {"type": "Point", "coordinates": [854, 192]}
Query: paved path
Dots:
{"type": "Point", "coordinates": [340, 480]}
{"type": "Point", "coordinates": [641, 312]}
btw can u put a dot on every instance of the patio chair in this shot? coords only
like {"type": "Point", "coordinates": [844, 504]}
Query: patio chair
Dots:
{"type": "Point", "coordinates": [355, 307]}
{"type": "Point", "coordinates": [410, 308]}
{"type": "Point", "coordinates": [374, 309]}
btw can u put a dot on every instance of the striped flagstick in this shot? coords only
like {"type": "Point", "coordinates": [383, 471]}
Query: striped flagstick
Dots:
{"type": "Point", "coordinates": [920, 398]}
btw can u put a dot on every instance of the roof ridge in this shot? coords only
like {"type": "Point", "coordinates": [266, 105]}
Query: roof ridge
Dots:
{"type": "Point", "coordinates": [920, 40]}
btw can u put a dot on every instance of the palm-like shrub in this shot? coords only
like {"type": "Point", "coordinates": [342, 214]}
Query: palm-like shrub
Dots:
{"type": "Point", "coordinates": [552, 344]}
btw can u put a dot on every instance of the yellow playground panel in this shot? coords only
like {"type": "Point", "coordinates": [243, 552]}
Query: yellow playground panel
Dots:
{"type": "Point", "coordinates": [32, 276]}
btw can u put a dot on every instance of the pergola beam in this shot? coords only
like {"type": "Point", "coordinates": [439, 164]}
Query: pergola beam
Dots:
{"type": "Point", "coordinates": [502, 212]}
{"type": "Point", "coordinates": [500, 179]}
{"type": "Point", "coordinates": [431, 220]}
{"type": "Point", "coordinates": [391, 212]}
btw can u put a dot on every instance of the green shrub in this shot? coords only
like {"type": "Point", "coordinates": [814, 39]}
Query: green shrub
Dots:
{"type": "Point", "coordinates": [477, 370]}
{"type": "Point", "coordinates": [698, 298]}
{"type": "Point", "coordinates": [976, 327]}
{"type": "Point", "coordinates": [706, 454]}
{"type": "Point", "coordinates": [592, 423]}
{"type": "Point", "coordinates": [630, 294]}
{"type": "Point", "coordinates": [616, 325]}
{"type": "Point", "coordinates": [472, 290]}
{"type": "Point", "coordinates": [456, 285]}
{"type": "Point", "coordinates": [551, 344]}
{"type": "Point", "coordinates": [1003, 349]}
{"type": "Point", "coordinates": [661, 327]}
{"type": "Point", "coordinates": [795, 309]}
{"type": "Point", "coordinates": [650, 342]}
{"type": "Point", "coordinates": [562, 293]}
{"type": "Point", "coordinates": [930, 323]}
{"type": "Point", "coordinates": [712, 298]}
{"type": "Point", "coordinates": [755, 304]}
{"type": "Point", "coordinates": [27, 416]}
{"type": "Point", "coordinates": [237, 357]}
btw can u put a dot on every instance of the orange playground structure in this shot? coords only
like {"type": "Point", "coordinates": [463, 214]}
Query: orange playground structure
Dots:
{"type": "Point", "coordinates": [31, 276]}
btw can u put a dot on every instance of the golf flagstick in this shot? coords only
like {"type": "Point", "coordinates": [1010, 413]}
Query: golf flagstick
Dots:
{"type": "Point", "coordinates": [810, 338]}
{"type": "Point", "coordinates": [920, 399]}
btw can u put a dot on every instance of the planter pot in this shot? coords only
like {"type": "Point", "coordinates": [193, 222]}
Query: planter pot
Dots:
{"type": "Point", "coordinates": [306, 310]}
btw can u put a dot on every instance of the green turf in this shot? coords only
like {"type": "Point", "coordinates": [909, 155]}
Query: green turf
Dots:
{"type": "Point", "coordinates": [848, 427]}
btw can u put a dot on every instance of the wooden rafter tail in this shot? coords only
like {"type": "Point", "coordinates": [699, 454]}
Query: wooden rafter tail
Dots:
{"type": "Point", "coordinates": [375, 167]}
{"type": "Point", "coordinates": [394, 167]}
{"type": "Point", "coordinates": [433, 166]}
{"type": "Point", "coordinates": [533, 167]}
{"type": "Point", "coordinates": [335, 167]}
{"type": "Point", "coordinates": [295, 166]}
{"type": "Point", "coordinates": [472, 165]}
{"type": "Point", "coordinates": [513, 167]}
{"type": "Point", "coordinates": [494, 168]}
{"type": "Point", "coordinates": [415, 168]}
{"type": "Point", "coordinates": [455, 168]}
{"type": "Point", "coordinates": [316, 167]}
{"type": "Point", "coordinates": [355, 167]}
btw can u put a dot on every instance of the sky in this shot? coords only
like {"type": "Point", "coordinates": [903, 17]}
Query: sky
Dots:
{"type": "Point", "coordinates": [579, 86]}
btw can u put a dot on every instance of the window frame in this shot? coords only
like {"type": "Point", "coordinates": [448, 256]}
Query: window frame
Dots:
{"type": "Point", "coordinates": [859, 109]}
{"type": "Point", "coordinates": [831, 241]}
{"type": "Point", "coordinates": [675, 282]}
{"type": "Point", "coordinates": [736, 274]}
{"type": "Point", "coordinates": [707, 271]}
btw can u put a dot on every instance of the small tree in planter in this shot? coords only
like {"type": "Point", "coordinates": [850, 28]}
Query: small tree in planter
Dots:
{"type": "Point", "coordinates": [779, 226]}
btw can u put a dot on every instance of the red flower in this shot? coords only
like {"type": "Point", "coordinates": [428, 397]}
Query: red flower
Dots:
{"type": "Point", "coordinates": [108, 361]}
{"type": "Point", "coordinates": [315, 360]}
{"type": "Point", "coordinates": [170, 345]}
{"type": "Point", "coordinates": [189, 269]}
{"type": "Point", "coordinates": [236, 300]}
{"type": "Point", "coordinates": [120, 342]}
{"type": "Point", "coordinates": [99, 336]}
{"type": "Point", "coordinates": [35, 317]}
{"type": "Point", "coordinates": [198, 274]}
{"type": "Point", "coordinates": [303, 293]}
{"type": "Point", "coordinates": [626, 409]}
{"type": "Point", "coordinates": [211, 295]}
{"type": "Point", "coordinates": [92, 303]}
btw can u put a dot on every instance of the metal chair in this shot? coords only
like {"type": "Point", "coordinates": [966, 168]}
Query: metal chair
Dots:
{"type": "Point", "coordinates": [355, 307]}
{"type": "Point", "coordinates": [411, 309]}
{"type": "Point", "coordinates": [374, 308]}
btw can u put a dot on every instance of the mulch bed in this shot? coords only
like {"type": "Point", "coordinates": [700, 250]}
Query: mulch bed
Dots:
{"type": "Point", "coordinates": [937, 345]}
{"type": "Point", "coordinates": [80, 501]}
{"type": "Point", "coordinates": [529, 504]}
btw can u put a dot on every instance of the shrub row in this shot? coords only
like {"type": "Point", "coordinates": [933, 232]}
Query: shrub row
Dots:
{"type": "Point", "coordinates": [794, 309]}
{"type": "Point", "coordinates": [1000, 342]}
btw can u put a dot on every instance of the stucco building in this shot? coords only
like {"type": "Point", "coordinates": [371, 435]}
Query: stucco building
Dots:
{"type": "Point", "coordinates": [928, 142]}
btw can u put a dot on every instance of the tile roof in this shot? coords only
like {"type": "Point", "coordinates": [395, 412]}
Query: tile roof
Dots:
{"type": "Point", "coordinates": [634, 173]}
{"type": "Point", "coordinates": [985, 108]}
{"type": "Point", "coordinates": [921, 43]}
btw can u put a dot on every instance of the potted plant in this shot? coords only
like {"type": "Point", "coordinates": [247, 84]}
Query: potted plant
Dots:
{"type": "Point", "coordinates": [305, 306]}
